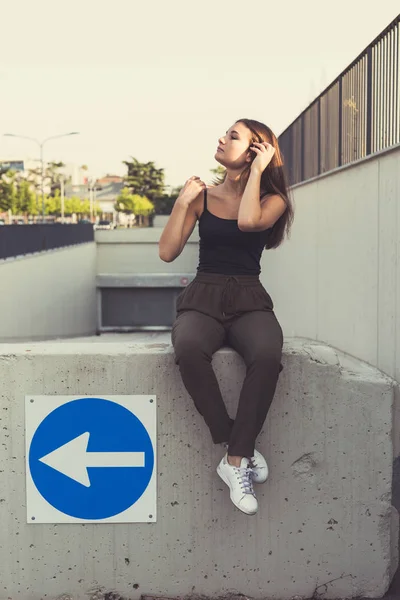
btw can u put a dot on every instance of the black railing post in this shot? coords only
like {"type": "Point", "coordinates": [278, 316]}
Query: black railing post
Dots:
{"type": "Point", "coordinates": [319, 166]}
{"type": "Point", "coordinates": [302, 145]}
{"type": "Point", "coordinates": [382, 57]}
{"type": "Point", "coordinates": [291, 156]}
{"type": "Point", "coordinates": [369, 102]}
{"type": "Point", "coordinates": [340, 135]}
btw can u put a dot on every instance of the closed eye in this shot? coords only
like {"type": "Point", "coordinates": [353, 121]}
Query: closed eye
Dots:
{"type": "Point", "coordinates": [233, 138]}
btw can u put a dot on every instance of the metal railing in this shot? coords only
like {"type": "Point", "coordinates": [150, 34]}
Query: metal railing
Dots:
{"type": "Point", "coordinates": [17, 240]}
{"type": "Point", "coordinates": [355, 116]}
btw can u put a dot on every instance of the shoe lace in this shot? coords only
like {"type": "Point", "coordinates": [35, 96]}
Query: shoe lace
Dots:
{"type": "Point", "coordinates": [245, 479]}
{"type": "Point", "coordinates": [253, 463]}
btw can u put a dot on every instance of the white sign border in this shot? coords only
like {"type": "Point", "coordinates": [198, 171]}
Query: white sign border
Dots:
{"type": "Point", "coordinates": [38, 407]}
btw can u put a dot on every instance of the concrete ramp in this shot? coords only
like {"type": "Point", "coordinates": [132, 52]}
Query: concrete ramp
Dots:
{"type": "Point", "coordinates": [325, 524]}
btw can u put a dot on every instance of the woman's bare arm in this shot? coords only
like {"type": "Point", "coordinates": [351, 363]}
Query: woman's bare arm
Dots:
{"type": "Point", "coordinates": [181, 221]}
{"type": "Point", "coordinates": [177, 231]}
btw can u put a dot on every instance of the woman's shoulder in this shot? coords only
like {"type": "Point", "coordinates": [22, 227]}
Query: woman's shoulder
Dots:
{"type": "Point", "coordinates": [214, 190]}
{"type": "Point", "coordinates": [199, 202]}
{"type": "Point", "coordinates": [211, 191]}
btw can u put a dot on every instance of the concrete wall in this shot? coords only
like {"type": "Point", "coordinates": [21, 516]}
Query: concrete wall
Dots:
{"type": "Point", "coordinates": [325, 513]}
{"type": "Point", "coordinates": [160, 220]}
{"type": "Point", "coordinates": [48, 294]}
{"type": "Point", "coordinates": [136, 288]}
{"type": "Point", "coordinates": [134, 251]}
{"type": "Point", "coordinates": [338, 279]}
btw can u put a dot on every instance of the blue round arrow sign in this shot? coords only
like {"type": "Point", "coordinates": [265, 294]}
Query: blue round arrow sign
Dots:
{"type": "Point", "coordinates": [91, 458]}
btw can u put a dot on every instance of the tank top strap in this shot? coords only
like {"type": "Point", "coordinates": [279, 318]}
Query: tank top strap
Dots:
{"type": "Point", "coordinates": [205, 199]}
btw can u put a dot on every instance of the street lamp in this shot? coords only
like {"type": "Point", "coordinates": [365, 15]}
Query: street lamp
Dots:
{"type": "Point", "coordinates": [92, 191]}
{"type": "Point", "coordinates": [41, 144]}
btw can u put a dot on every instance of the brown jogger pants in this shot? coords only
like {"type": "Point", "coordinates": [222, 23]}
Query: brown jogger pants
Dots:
{"type": "Point", "coordinates": [221, 310]}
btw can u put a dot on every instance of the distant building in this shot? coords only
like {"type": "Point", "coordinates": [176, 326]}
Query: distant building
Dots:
{"type": "Point", "coordinates": [14, 165]}
{"type": "Point", "coordinates": [77, 183]}
{"type": "Point", "coordinates": [22, 165]}
{"type": "Point", "coordinates": [110, 179]}
{"type": "Point", "coordinates": [27, 168]}
{"type": "Point", "coordinates": [75, 174]}
{"type": "Point", "coordinates": [106, 196]}
{"type": "Point", "coordinates": [77, 191]}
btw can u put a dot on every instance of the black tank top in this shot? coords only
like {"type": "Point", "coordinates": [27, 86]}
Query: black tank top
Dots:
{"type": "Point", "coordinates": [225, 249]}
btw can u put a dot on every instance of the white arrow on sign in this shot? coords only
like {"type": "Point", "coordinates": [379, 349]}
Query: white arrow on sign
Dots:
{"type": "Point", "coordinates": [72, 459]}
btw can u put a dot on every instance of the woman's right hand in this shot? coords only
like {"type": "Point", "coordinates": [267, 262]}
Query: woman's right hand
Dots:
{"type": "Point", "coordinates": [192, 188]}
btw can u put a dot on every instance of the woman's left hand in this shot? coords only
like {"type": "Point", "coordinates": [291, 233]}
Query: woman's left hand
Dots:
{"type": "Point", "coordinates": [265, 152]}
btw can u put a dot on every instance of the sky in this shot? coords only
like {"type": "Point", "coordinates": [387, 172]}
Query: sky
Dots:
{"type": "Point", "coordinates": [162, 81]}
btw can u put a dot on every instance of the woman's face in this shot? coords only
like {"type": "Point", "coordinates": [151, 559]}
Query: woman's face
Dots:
{"type": "Point", "coordinates": [232, 151]}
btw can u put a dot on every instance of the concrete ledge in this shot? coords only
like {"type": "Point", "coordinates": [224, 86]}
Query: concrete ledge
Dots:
{"type": "Point", "coordinates": [325, 513]}
{"type": "Point", "coordinates": [145, 280]}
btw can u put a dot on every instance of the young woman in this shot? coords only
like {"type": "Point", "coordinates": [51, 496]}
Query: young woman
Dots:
{"type": "Point", "coordinates": [248, 210]}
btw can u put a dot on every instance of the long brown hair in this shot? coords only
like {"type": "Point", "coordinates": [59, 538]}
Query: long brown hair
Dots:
{"type": "Point", "coordinates": [273, 180]}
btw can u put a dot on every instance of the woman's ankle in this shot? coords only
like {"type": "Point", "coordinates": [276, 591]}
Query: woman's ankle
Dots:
{"type": "Point", "coordinates": [234, 461]}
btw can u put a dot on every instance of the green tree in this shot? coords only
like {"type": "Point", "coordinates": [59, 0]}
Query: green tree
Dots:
{"type": "Point", "coordinates": [34, 177]}
{"type": "Point", "coordinates": [164, 204]}
{"type": "Point", "coordinates": [75, 205]}
{"type": "Point", "coordinates": [85, 207]}
{"type": "Point", "coordinates": [134, 204]}
{"type": "Point", "coordinates": [124, 202]}
{"type": "Point", "coordinates": [142, 205]}
{"type": "Point", "coordinates": [144, 179]}
{"type": "Point", "coordinates": [8, 195]}
{"type": "Point", "coordinates": [25, 198]}
{"type": "Point", "coordinates": [53, 176]}
{"type": "Point", "coordinates": [219, 170]}
{"type": "Point", "coordinates": [71, 205]}
{"type": "Point", "coordinates": [218, 173]}
{"type": "Point", "coordinates": [17, 194]}
{"type": "Point", "coordinates": [53, 204]}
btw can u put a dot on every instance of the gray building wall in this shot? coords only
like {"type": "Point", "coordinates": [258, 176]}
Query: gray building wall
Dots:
{"type": "Point", "coordinates": [49, 294]}
{"type": "Point", "coordinates": [337, 279]}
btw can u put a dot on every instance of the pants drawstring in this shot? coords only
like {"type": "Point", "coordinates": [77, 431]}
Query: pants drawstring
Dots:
{"type": "Point", "coordinates": [227, 295]}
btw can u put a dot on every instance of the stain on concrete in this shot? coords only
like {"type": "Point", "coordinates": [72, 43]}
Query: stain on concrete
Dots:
{"type": "Point", "coordinates": [302, 468]}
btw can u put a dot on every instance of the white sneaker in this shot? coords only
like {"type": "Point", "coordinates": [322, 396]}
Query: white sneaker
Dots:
{"type": "Point", "coordinates": [259, 467]}
{"type": "Point", "coordinates": [239, 481]}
